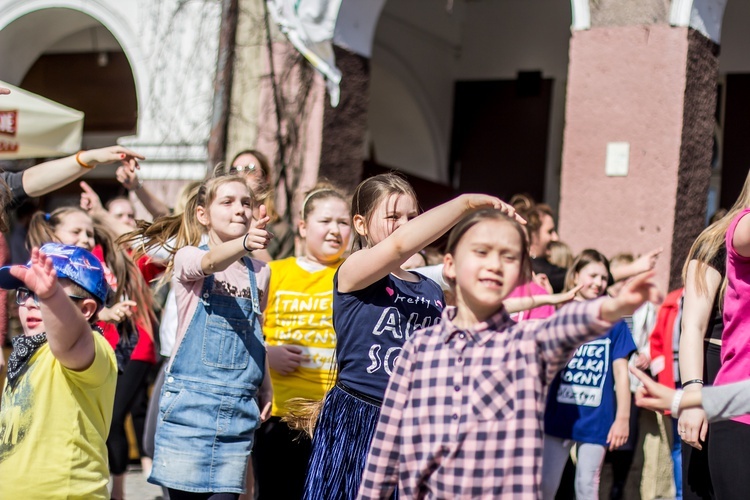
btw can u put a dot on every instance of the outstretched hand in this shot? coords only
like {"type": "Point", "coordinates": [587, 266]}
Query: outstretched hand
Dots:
{"type": "Point", "coordinates": [647, 261]}
{"type": "Point", "coordinates": [257, 236]}
{"type": "Point", "coordinates": [128, 177]}
{"type": "Point", "coordinates": [90, 201]}
{"type": "Point", "coordinates": [652, 395]}
{"type": "Point", "coordinates": [128, 159]}
{"type": "Point", "coordinates": [565, 297]}
{"type": "Point", "coordinates": [119, 312]}
{"type": "Point", "coordinates": [40, 277]}
{"type": "Point", "coordinates": [632, 295]}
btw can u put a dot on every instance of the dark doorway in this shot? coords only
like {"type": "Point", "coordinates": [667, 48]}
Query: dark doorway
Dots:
{"type": "Point", "coordinates": [499, 138]}
{"type": "Point", "coordinates": [735, 159]}
{"type": "Point", "coordinates": [98, 83]}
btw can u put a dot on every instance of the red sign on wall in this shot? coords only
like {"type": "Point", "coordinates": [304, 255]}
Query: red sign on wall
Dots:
{"type": "Point", "coordinates": [8, 146]}
{"type": "Point", "coordinates": [8, 122]}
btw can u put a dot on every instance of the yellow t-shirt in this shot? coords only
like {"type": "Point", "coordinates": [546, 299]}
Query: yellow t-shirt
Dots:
{"type": "Point", "coordinates": [300, 313]}
{"type": "Point", "coordinates": [54, 426]}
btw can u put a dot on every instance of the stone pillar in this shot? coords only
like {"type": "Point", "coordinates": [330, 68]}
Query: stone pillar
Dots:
{"type": "Point", "coordinates": [345, 126]}
{"type": "Point", "coordinates": [654, 88]}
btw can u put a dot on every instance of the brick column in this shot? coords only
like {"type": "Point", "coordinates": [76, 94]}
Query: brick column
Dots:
{"type": "Point", "coordinates": [653, 87]}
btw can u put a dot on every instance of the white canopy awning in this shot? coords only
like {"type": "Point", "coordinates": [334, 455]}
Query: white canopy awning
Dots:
{"type": "Point", "coordinates": [32, 126]}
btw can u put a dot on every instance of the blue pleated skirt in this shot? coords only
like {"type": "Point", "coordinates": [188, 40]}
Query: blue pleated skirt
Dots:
{"type": "Point", "coordinates": [345, 428]}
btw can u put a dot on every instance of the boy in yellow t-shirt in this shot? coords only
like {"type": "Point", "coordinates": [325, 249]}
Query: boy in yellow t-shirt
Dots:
{"type": "Point", "coordinates": [57, 404]}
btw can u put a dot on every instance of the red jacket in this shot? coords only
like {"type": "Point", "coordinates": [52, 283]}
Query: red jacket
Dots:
{"type": "Point", "coordinates": [662, 355]}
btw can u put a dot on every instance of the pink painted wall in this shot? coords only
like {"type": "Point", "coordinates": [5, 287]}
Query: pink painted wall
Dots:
{"type": "Point", "coordinates": [625, 84]}
{"type": "Point", "coordinates": [305, 161]}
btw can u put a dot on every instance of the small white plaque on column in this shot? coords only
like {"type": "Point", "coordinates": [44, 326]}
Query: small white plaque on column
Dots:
{"type": "Point", "coordinates": [618, 159]}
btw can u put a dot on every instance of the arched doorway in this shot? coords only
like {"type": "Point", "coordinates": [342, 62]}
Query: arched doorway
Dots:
{"type": "Point", "coordinates": [74, 59]}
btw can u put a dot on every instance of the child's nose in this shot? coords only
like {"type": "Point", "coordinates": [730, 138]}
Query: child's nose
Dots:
{"type": "Point", "coordinates": [495, 263]}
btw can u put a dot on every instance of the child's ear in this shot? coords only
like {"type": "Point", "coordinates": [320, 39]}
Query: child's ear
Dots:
{"type": "Point", "coordinates": [302, 229]}
{"type": "Point", "coordinates": [88, 308]}
{"type": "Point", "coordinates": [360, 225]}
{"type": "Point", "coordinates": [449, 268]}
{"type": "Point", "coordinates": [201, 215]}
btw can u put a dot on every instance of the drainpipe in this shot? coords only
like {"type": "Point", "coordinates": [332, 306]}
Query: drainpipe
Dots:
{"type": "Point", "coordinates": [217, 141]}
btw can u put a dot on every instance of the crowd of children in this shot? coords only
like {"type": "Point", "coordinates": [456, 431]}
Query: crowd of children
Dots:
{"type": "Point", "coordinates": [340, 370]}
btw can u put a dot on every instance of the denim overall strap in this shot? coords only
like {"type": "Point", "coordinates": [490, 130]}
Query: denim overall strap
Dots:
{"type": "Point", "coordinates": [253, 286]}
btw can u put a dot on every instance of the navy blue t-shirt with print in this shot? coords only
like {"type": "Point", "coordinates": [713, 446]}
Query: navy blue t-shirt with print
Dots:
{"type": "Point", "coordinates": [581, 403]}
{"type": "Point", "coordinates": [372, 325]}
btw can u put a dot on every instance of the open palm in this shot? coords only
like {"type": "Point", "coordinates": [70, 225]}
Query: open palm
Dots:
{"type": "Point", "coordinates": [40, 277]}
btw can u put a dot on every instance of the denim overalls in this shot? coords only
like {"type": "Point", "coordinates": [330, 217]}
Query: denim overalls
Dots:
{"type": "Point", "coordinates": [207, 411]}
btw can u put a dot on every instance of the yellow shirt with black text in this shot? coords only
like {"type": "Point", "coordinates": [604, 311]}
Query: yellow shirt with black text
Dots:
{"type": "Point", "coordinates": [300, 313]}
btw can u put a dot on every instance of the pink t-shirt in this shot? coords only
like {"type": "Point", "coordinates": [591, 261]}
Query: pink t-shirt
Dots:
{"type": "Point", "coordinates": [187, 281]}
{"type": "Point", "coordinates": [529, 290]}
{"type": "Point", "coordinates": [735, 341]}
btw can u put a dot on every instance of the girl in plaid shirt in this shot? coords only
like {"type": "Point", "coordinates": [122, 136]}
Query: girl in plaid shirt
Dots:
{"type": "Point", "coordinates": [462, 415]}
{"type": "Point", "coordinates": [376, 307]}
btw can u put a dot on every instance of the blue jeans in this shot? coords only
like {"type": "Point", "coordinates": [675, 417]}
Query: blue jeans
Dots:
{"type": "Point", "coordinates": [677, 460]}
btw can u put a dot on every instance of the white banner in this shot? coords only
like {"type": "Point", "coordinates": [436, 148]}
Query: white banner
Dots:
{"type": "Point", "coordinates": [309, 25]}
{"type": "Point", "coordinates": [32, 126]}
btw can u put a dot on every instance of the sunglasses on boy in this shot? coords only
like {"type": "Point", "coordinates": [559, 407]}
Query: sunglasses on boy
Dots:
{"type": "Point", "coordinates": [23, 294]}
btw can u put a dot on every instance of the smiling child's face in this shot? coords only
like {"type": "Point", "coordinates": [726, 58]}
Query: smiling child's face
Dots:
{"type": "Point", "coordinates": [486, 266]}
{"type": "Point", "coordinates": [392, 212]}
{"type": "Point", "coordinates": [593, 277]}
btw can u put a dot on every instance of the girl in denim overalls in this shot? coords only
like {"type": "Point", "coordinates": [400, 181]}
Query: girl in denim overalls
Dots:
{"type": "Point", "coordinates": [208, 410]}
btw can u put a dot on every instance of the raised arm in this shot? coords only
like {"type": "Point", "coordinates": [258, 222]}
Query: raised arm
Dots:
{"type": "Point", "coordinates": [517, 304]}
{"type": "Point", "coordinates": [368, 265]}
{"type": "Point", "coordinates": [580, 322]}
{"type": "Point", "coordinates": [49, 176]}
{"type": "Point", "coordinates": [91, 203]}
{"type": "Point", "coordinates": [720, 402]}
{"type": "Point", "coordinates": [696, 313]}
{"type": "Point", "coordinates": [68, 331]}
{"type": "Point", "coordinates": [130, 181]}
{"type": "Point", "coordinates": [644, 263]}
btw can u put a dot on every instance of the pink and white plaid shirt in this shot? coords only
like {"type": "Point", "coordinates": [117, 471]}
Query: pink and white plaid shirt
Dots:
{"type": "Point", "coordinates": [463, 413]}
